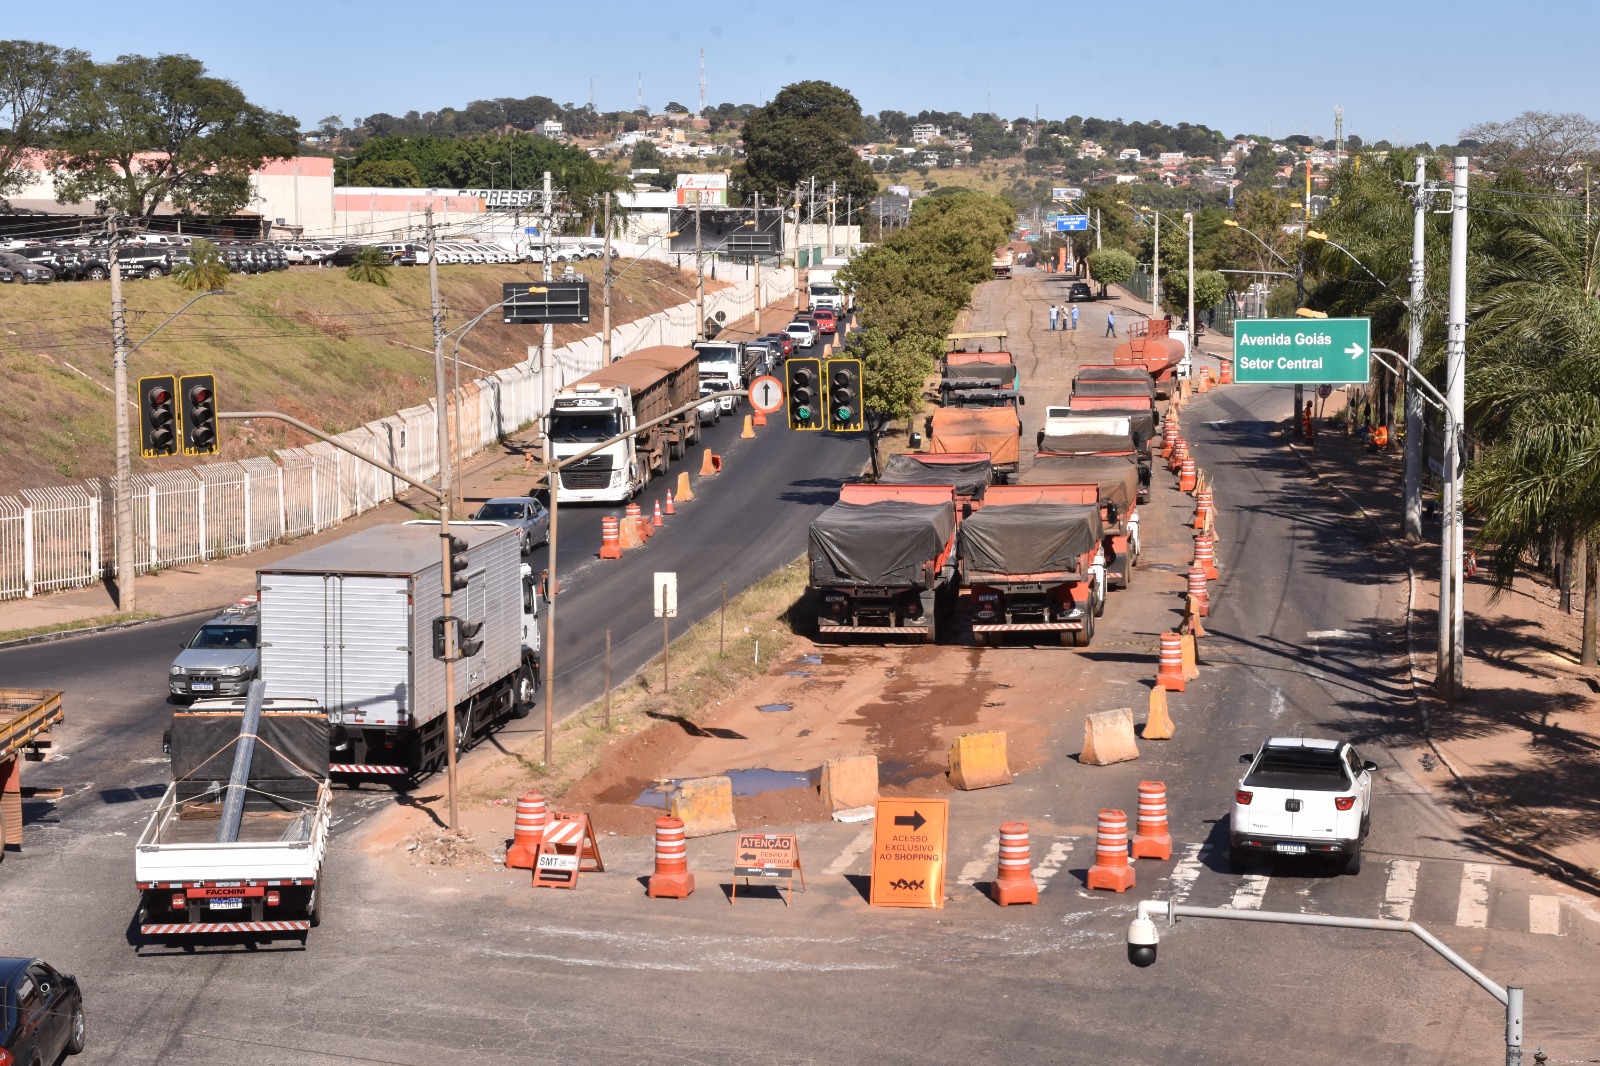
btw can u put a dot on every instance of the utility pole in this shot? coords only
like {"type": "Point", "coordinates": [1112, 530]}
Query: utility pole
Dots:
{"type": "Point", "coordinates": [699, 276]}
{"type": "Point", "coordinates": [849, 213]}
{"type": "Point", "coordinates": [124, 475]}
{"type": "Point", "coordinates": [1451, 629]}
{"type": "Point", "coordinates": [1097, 229]}
{"type": "Point", "coordinates": [1188, 218]}
{"type": "Point", "coordinates": [444, 519]}
{"type": "Point", "coordinates": [757, 257]}
{"type": "Point", "coordinates": [605, 288]}
{"type": "Point", "coordinates": [1415, 448]}
{"type": "Point", "coordinates": [1155, 274]}
{"type": "Point", "coordinates": [547, 374]}
{"type": "Point", "coordinates": [833, 187]}
{"type": "Point", "coordinates": [797, 248]}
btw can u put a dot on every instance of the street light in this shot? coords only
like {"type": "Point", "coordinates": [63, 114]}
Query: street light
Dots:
{"type": "Point", "coordinates": [1155, 266]}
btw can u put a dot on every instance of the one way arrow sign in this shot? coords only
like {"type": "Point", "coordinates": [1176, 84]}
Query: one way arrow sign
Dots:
{"type": "Point", "coordinates": [915, 820]}
{"type": "Point", "coordinates": [1355, 351]}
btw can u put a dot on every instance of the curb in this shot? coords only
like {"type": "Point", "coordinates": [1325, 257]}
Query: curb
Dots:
{"type": "Point", "coordinates": [89, 631]}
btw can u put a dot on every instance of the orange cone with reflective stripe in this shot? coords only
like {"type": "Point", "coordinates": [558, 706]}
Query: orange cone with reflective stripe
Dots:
{"type": "Point", "coordinates": [1186, 476]}
{"type": "Point", "coordinates": [655, 521]}
{"type": "Point", "coordinates": [527, 831]}
{"type": "Point", "coordinates": [1014, 881]}
{"type": "Point", "coordinates": [1205, 556]}
{"type": "Point", "coordinates": [671, 507]}
{"type": "Point", "coordinates": [1169, 670]}
{"type": "Point", "coordinates": [1226, 377]}
{"type": "Point", "coordinates": [1202, 508]}
{"type": "Point", "coordinates": [1197, 591]}
{"type": "Point", "coordinates": [1111, 869]}
{"type": "Point", "coordinates": [610, 541]}
{"type": "Point", "coordinates": [1152, 839]}
{"type": "Point", "coordinates": [672, 878]}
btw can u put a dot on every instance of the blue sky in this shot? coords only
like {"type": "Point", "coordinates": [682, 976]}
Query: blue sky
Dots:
{"type": "Point", "coordinates": [1404, 70]}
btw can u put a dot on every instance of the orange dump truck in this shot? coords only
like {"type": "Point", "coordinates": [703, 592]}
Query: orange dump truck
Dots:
{"type": "Point", "coordinates": [26, 718]}
{"type": "Point", "coordinates": [990, 430]}
{"type": "Point", "coordinates": [1113, 483]}
{"type": "Point", "coordinates": [1030, 561]}
{"type": "Point", "coordinates": [883, 561]}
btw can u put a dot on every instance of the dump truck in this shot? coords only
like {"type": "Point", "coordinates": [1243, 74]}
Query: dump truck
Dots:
{"type": "Point", "coordinates": [1113, 483]}
{"type": "Point", "coordinates": [990, 430]}
{"type": "Point", "coordinates": [237, 842]}
{"type": "Point", "coordinates": [1002, 264]}
{"type": "Point", "coordinates": [1162, 355]}
{"type": "Point", "coordinates": [1103, 380]}
{"type": "Point", "coordinates": [26, 717]}
{"type": "Point", "coordinates": [970, 473]}
{"type": "Point", "coordinates": [1032, 561]}
{"type": "Point", "coordinates": [1138, 410]}
{"type": "Point", "coordinates": [621, 399]}
{"type": "Point", "coordinates": [1067, 440]}
{"type": "Point", "coordinates": [351, 625]}
{"type": "Point", "coordinates": [883, 561]}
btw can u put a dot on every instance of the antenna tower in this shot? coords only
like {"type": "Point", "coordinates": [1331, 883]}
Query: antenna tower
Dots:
{"type": "Point", "coordinates": [1338, 134]}
{"type": "Point", "coordinates": [702, 81]}
{"type": "Point", "coordinates": [641, 106]}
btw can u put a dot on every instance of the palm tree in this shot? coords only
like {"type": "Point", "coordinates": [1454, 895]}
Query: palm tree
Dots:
{"type": "Point", "coordinates": [205, 270]}
{"type": "Point", "coordinates": [371, 266]}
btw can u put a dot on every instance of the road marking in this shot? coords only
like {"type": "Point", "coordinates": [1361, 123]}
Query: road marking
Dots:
{"type": "Point", "coordinates": [1401, 890]}
{"type": "Point", "coordinates": [988, 859]}
{"type": "Point", "coordinates": [1185, 873]}
{"type": "Point", "coordinates": [1473, 909]}
{"type": "Point", "coordinates": [1276, 707]}
{"type": "Point", "coordinates": [1544, 915]}
{"type": "Point", "coordinates": [852, 851]}
{"type": "Point", "coordinates": [1327, 634]}
{"type": "Point", "coordinates": [1051, 863]}
{"type": "Point", "coordinates": [1251, 893]}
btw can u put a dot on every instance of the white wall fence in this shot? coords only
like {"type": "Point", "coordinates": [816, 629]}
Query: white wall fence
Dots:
{"type": "Point", "coordinates": [64, 536]}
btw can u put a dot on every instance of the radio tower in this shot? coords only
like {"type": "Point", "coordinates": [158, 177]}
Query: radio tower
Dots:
{"type": "Point", "coordinates": [591, 94]}
{"type": "Point", "coordinates": [641, 106]}
{"type": "Point", "coordinates": [1338, 135]}
{"type": "Point", "coordinates": [702, 81]}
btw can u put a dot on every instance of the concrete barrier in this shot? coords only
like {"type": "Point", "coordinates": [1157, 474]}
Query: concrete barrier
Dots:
{"type": "Point", "coordinates": [849, 781]}
{"type": "Point", "coordinates": [1108, 738]}
{"type": "Point", "coordinates": [1191, 659]}
{"type": "Point", "coordinates": [684, 493]}
{"type": "Point", "coordinates": [704, 805]}
{"type": "Point", "coordinates": [978, 760]}
{"type": "Point", "coordinates": [1158, 723]}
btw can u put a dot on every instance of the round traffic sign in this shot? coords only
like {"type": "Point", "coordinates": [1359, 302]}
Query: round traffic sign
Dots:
{"type": "Point", "coordinates": [1324, 391]}
{"type": "Point", "coordinates": [766, 394]}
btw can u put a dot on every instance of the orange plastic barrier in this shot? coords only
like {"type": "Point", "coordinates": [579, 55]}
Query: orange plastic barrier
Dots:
{"type": "Point", "coordinates": [655, 521]}
{"type": "Point", "coordinates": [1152, 839]}
{"type": "Point", "coordinates": [672, 879]}
{"type": "Point", "coordinates": [568, 848]}
{"type": "Point", "coordinates": [1169, 670]}
{"type": "Point", "coordinates": [1013, 883]}
{"type": "Point", "coordinates": [1111, 868]}
{"type": "Point", "coordinates": [1205, 556]}
{"type": "Point", "coordinates": [1186, 476]}
{"type": "Point", "coordinates": [710, 464]}
{"type": "Point", "coordinates": [1197, 591]}
{"type": "Point", "coordinates": [527, 831]}
{"type": "Point", "coordinates": [610, 539]}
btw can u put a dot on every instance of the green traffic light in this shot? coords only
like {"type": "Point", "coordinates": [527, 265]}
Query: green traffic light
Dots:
{"type": "Point", "coordinates": [843, 414]}
{"type": "Point", "coordinates": [804, 413]}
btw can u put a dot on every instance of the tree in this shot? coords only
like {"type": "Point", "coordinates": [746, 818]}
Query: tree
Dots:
{"type": "Point", "coordinates": [1111, 266]}
{"type": "Point", "coordinates": [384, 174]}
{"type": "Point", "coordinates": [893, 373]}
{"type": "Point", "coordinates": [37, 83]}
{"type": "Point", "coordinates": [1210, 287]}
{"type": "Point", "coordinates": [647, 156]}
{"type": "Point", "coordinates": [205, 271]}
{"type": "Point", "coordinates": [1547, 145]}
{"type": "Point", "coordinates": [144, 130]}
{"type": "Point", "coordinates": [806, 131]}
{"type": "Point", "coordinates": [330, 128]}
{"type": "Point", "coordinates": [371, 265]}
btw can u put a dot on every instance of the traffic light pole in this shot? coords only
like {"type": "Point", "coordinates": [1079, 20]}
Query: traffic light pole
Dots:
{"type": "Point", "coordinates": [126, 600]}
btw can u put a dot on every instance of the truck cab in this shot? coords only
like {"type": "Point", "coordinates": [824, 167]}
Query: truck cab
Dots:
{"type": "Point", "coordinates": [579, 422]}
{"type": "Point", "coordinates": [722, 366]}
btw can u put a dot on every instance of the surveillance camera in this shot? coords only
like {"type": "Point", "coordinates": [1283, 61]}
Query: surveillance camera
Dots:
{"type": "Point", "coordinates": [1142, 941]}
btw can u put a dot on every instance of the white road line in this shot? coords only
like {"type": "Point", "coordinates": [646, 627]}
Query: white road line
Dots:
{"type": "Point", "coordinates": [1473, 910]}
{"type": "Point", "coordinates": [1326, 634]}
{"type": "Point", "coordinates": [1185, 873]}
{"type": "Point", "coordinates": [1251, 893]}
{"type": "Point", "coordinates": [984, 865]}
{"type": "Point", "coordinates": [1051, 863]}
{"type": "Point", "coordinates": [850, 854]}
{"type": "Point", "coordinates": [1544, 915]}
{"type": "Point", "coordinates": [1401, 890]}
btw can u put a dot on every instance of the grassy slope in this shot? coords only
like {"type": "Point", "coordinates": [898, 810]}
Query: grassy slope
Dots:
{"type": "Point", "coordinates": [311, 343]}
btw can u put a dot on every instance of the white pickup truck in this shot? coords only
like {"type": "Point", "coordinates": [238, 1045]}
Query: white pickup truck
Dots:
{"type": "Point", "coordinates": [1302, 796]}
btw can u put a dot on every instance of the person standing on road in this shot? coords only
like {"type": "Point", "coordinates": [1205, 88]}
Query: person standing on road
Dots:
{"type": "Point", "coordinates": [1111, 323]}
{"type": "Point", "coordinates": [1055, 316]}
{"type": "Point", "coordinates": [1074, 317]}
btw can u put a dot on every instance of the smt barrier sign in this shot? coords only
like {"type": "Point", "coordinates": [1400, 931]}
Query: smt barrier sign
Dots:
{"type": "Point", "coordinates": [1302, 351]}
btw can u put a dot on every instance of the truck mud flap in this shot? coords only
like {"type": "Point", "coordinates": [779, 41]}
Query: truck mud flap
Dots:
{"type": "Point", "coordinates": [886, 631]}
{"type": "Point", "coordinates": [1028, 627]}
{"type": "Point", "coordinates": [366, 768]}
{"type": "Point", "coordinates": [200, 928]}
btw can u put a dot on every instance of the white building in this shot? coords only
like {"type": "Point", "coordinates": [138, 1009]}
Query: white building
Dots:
{"type": "Point", "coordinates": [1091, 149]}
{"type": "Point", "coordinates": [1130, 153]}
{"type": "Point", "coordinates": [551, 128]}
{"type": "Point", "coordinates": [925, 133]}
{"type": "Point", "coordinates": [1171, 159]}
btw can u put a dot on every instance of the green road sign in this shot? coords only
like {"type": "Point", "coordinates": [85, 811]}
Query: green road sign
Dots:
{"type": "Point", "coordinates": [1302, 351]}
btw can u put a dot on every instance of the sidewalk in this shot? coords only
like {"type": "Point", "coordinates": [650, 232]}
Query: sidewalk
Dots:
{"type": "Point", "coordinates": [499, 470]}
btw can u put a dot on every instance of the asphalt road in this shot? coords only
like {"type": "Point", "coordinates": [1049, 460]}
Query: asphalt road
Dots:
{"type": "Point", "coordinates": [436, 967]}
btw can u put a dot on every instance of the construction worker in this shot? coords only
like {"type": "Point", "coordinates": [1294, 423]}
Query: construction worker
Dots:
{"type": "Point", "coordinates": [1380, 438]}
{"type": "Point", "coordinates": [1307, 427]}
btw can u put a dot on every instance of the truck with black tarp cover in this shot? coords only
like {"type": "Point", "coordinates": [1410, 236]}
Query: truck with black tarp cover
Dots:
{"type": "Point", "coordinates": [1064, 442]}
{"type": "Point", "coordinates": [883, 560]}
{"type": "Point", "coordinates": [971, 473]}
{"type": "Point", "coordinates": [1029, 562]}
{"type": "Point", "coordinates": [1113, 483]}
{"type": "Point", "coordinates": [253, 865]}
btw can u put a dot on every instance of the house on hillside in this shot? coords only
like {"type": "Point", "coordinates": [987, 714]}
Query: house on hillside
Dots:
{"type": "Point", "coordinates": [925, 133]}
{"type": "Point", "coordinates": [1091, 149]}
{"type": "Point", "coordinates": [1130, 154]}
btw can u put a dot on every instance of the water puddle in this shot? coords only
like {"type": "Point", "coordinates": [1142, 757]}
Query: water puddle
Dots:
{"type": "Point", "coordinates": [752, 782]}
{"type": "Point", "coordinates": [774, 708]}
{"type": "Point", "coordinates": [891, 772]}
{"type": "Point", "coordinates": [810, 660]}
{"type": "Point", "coordinates": [797, 673]}
{"type": "Point", "coordinates": [1157, 566]}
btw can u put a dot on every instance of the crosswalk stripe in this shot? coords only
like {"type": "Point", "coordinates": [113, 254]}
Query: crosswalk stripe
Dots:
{"type": "Point", "coordinates": [1249, 895]}
{"type": "Point", "coordinates": [976, 868]}
{"type": "Point", "coordinates": [1472, 912]}
{"type": "Point", "coordinates": [1544, 915]}
{"type": "Point", "coordinates": [1051, 863]}
{"type": "Point", "coordinates": [1400, 890]}
{"type": "Point", "coordinates": [852, 851]}
{"type": "Point", "coordinates": [1186, 872]}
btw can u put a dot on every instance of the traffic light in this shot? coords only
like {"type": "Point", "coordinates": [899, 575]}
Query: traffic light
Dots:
{"type": "Point", "coordinates": [844, 396]}
{"type": "Point", "coordinates": [456, 579]}
{"type": "Point", "coordinates": [199, 392]}
{"type": "Point", "coordinates": [441, 642]}
{"type": "Point", "coordinates": [158, 416]}
{"type": "Point", "coordinates": [468, 639]}
{"type": "Point", "coordinates": [804, 381]}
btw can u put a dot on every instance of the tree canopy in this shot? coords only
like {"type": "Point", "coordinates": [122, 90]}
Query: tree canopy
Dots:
{"type": "Point", "coordinates": [806, 132]}
{"type": "Point", "coordinates": [37, 82]}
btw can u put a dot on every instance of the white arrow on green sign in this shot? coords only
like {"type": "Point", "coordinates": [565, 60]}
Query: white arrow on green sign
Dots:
{"type": "Point", "coordinates": [1302, 351]}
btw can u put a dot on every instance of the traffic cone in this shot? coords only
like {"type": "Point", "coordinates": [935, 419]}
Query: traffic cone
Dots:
{"type": "Point", "coordinates": [685, 493]}
{"type": "Point", "coordinates": [1205, 556]}
{"type": "Point", "coordinates": [1226, 377]}
{"type": "Point", "coordinates": [749, 429]}
{"type": "Point", "coordinates": [610, 544]}
{"type": "Point", "coordinates": [1186, 476]}
{"type": "Point", "coordinates": [672, 878]}
{"type": "Point", "coordinates": [1111, 869]}
{"type": "Point", "coordinates": [1169, 668]}
{"type": "Point", "coordinates": [670, 509]}
{"type": "Point", "coordinates": [527, 831]}
{"type": "Point", "coordinates": [1180, 452]}
{"type": "Point", "coordinates": [1169, 436]}
{"type": "Point", "coordinates": [1197, 591]}
{"type": "Point", "coordinates": [710, 464]}
{"type": "Point", "coordinates": [1202, 509]}
{"type": "Point", "coordinates": [1205, 379]}
{"type": "Point", "coordinates": [655, 520]}
{"type": "Point", "coordinates": [1014, 881]}
{"type": "Point", "coordinates": [1158, 723]}
{"type": "Point", "coordinates": [1151, 838]}
{"type": "Point", "coordinates": [634, 516]}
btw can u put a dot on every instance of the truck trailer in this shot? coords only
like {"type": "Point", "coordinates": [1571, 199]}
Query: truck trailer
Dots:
{"type": "Point", "coordinates": [883, 561]}
{"type": "Point", "coordinates": [993, 431]}
{"type": "Point", "coordinates": [1163, 356]}
{"type": "Point", "coordinates": [1113, 483]}
{"type": "Point", "coordinates": [621, 399]}
{"type": "Point", "coordinates": [1032, 562]}
{"type": "Point", "coordinates": [26, 717]}
{"type": "Point", "coordinates": [970, 473]}
{"type": "Point", "coordinates": [350, 626]}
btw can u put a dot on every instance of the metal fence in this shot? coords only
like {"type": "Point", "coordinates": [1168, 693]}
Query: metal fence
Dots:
{"type": "Point", "coordinates": [64, 536]}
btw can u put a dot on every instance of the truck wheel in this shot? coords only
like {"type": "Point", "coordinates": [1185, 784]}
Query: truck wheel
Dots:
{"type": "Point", "coordinates": [1084, 637]}
{"type": "Point", "coordinates": [314, 906]}
{"type": "Point", "coordinates": [1099, 603]}
{"type": "Point", "coordinates": [525, 692]}
{"type": "Point", "coordinates": [675, 449]}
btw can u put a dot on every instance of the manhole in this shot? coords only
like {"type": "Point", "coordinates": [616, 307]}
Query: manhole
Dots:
{"type": "Point", "coordinates": [774, 708]}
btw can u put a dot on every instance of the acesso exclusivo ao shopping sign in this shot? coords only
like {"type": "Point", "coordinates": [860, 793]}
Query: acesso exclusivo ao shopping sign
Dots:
{"type": "Point", "coordinates": [1302, 351]}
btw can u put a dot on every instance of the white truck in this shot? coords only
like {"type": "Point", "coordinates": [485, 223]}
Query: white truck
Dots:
{"type": "Point", "coordinates": [350, 625]}
{"type": "Point", "coordinates": [237, 843]}
{"type": "Point", "coordinates": [821, 290]}
{"type": "Point", "coordinates": [723, 366]}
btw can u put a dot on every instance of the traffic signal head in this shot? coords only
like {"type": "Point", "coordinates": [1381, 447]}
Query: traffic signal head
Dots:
{"type": "Point", "coordinates": [456, 578]}
{"type": "Point", "coordinates": [804, 385]}
{"type": "Point", "coordinates": [469, 639]}
{"type": "Point", "coordinates": [199, 393]}
{"type": "Point", "coordinates": [844, 395]}
{"type": "Point", "coordinates": [158, 416]}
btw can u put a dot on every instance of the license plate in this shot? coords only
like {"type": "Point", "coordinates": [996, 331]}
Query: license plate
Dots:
{"type": "Point", "coordinates": [225, 904]}
{"type": "Point", "coordinates": [201, 686]}
{"type": "Point", "coordinates": [1289, 849]}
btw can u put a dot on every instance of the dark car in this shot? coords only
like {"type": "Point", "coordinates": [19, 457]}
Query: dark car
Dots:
{"type": "Point", "coordinates": [1080, 291]}
{"type": "Point", "coordinates": [26, 270]}
{"type": "Point", "coordinates": [145, 262]}
{"type": "Point", "coordinates": [41, 1013]}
